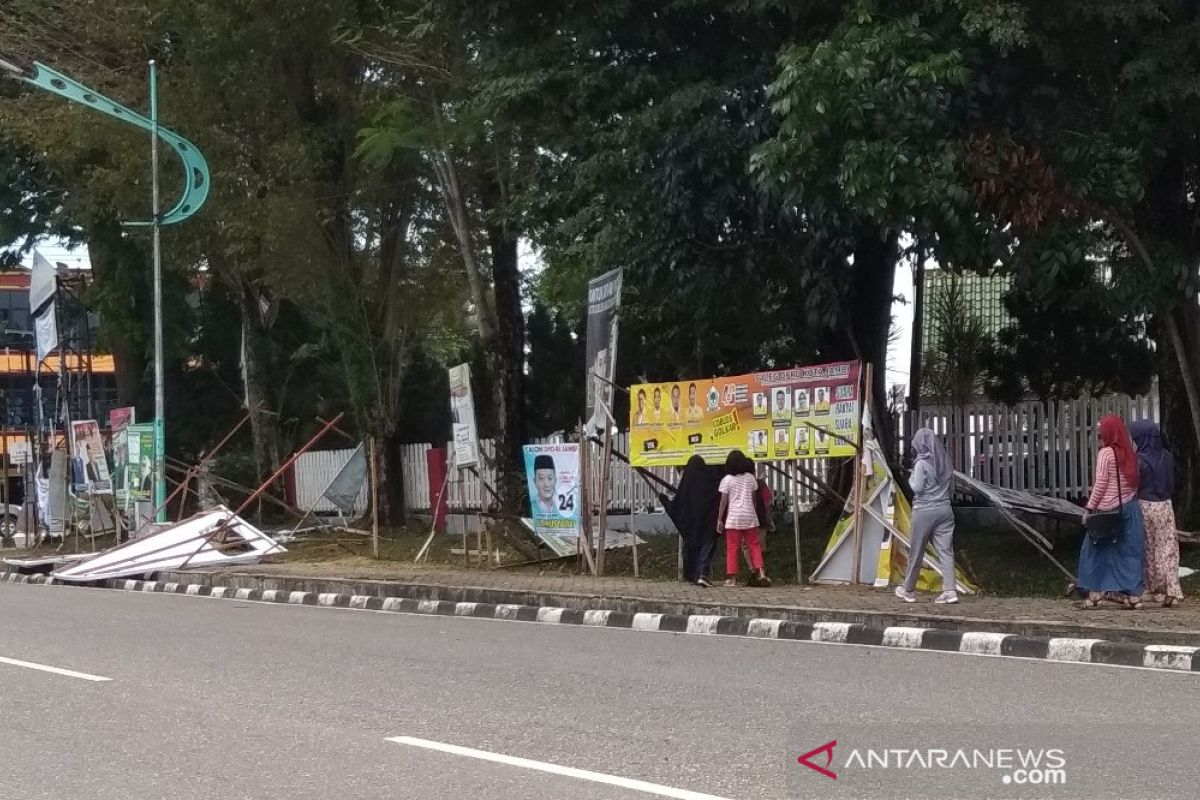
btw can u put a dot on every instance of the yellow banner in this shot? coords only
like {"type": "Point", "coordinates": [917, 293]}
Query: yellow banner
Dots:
{"type": "Point", "coordinates": [806, 412]}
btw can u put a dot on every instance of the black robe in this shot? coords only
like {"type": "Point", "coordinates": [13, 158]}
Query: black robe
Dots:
{"type": "Point", "coordinates": [694, 512]}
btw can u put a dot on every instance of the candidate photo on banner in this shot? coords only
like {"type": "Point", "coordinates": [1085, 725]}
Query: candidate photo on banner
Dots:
{"type": "Point", "coordinates": [604, 301]}
{"type": "Point", "coordinates": [552, 474]}
{"type": "Point", "coordinates": [777, 414]}
{"type": "Point", "coordinates": [462, 417]}
{"type": "Point", "coordinates": [90, 465]}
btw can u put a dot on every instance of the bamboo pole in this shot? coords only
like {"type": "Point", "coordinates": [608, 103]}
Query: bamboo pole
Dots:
{"type": "Point", "coordinates": [374, 498]}
{"type": "Point", "coordinates": [796, 522]}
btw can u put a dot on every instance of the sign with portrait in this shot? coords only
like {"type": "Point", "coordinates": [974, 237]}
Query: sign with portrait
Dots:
{"type": "Point", "coordinates": [462, 417]}
{"type": "Point", "coordinates": [555, 500]}
{"type": "Point", "coordinates": [800, 413]}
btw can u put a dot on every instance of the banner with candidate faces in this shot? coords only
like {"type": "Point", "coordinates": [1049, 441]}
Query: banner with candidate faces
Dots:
{"type": "Point", "coordinates": [552, 472]}
{"type": "Point", "coordinates": [799, 413]}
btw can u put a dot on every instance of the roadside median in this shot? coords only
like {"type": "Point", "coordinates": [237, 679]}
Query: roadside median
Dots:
{"type": "Point", "coordinates": [876, 609]}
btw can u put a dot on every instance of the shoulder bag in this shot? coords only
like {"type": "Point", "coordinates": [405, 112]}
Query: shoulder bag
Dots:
{"type": "Point", "coordinates": [1105, 526]}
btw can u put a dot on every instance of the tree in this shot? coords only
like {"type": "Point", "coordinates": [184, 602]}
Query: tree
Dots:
{"type": "Point", "coordinates": [954, 363]}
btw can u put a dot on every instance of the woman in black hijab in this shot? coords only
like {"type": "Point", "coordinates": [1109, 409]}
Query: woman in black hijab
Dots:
{"type": "Point", "coordinates": [694, 512]}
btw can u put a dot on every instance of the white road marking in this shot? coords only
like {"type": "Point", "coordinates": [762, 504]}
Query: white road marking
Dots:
{"type": "Point", "coordinates": [83, 676]}
{"type": "Point", "coordinates": [764, 628]}
{"type": "Point", "coordinates": [836, 632]}
{"type": "Point", "coordinates": [705, 624]}
{"type": "Point", "coordinates": [902, 637]}
{"type": "Point", "coordinates": [982, 643]}
{"type": "Point", "coordinates": [555, 769]}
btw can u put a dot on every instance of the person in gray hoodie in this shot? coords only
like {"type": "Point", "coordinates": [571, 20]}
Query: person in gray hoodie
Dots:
{"type": "Point", "coordinates": [932, 517]}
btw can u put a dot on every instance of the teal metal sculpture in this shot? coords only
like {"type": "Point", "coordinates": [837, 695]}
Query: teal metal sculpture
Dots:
{"type": "Point", "coordinates": [195, 187]}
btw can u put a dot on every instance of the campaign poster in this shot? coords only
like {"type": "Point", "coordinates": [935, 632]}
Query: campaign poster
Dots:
{"type": "Point", "coordinates": [552, 472]}
{"type": "Point", "coordinates": [462, 417]}
{"type": "Point", "coordinates": [139, 469]}
{"type": "Point", "coordinates": [89, 464]}
{"type": "Point", "coordinates": [603, 303]}
{"type": "Point", "coordinates": [118, 420]}
{"type": "Point", "coordinates": [800, 413]}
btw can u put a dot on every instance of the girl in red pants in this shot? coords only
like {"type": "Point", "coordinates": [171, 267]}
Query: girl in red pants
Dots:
{"type": "Point", "coordinates": [737, 517]}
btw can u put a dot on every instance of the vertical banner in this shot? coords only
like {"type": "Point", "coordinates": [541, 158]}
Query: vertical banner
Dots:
{"type": "Point", "coordinates": [90, 465]}
{"type": "Point", "coordinates": [552, 471]}
{"type": "Point", "coordinates": [462, 417]}
{"type": "Point", "coordinates": [45, 330]}
{"type": "Point", "coordinates": [139, 475]}
{"type": "Point", "coordinates": [603, 303]}
{"type": "Point", "coordinates": [43, 282]}
{"type": "Point", "coordinates": [118, 420]}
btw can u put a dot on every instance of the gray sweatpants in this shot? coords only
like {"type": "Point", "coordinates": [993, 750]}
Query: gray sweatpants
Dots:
{"type": "Point", "coordinates": [934, 523]}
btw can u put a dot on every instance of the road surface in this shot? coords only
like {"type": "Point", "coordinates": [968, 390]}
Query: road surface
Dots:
{"type": "Point", "coordinates": [178, 697]}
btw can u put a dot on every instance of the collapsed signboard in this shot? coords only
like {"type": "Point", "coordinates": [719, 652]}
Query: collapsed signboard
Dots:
{"type": "Point", "coordinates": [552, 471]}
{"type": "Point", "coordinates": [806, 412]}
{"type": "Point", "coordinates": [214, 538]}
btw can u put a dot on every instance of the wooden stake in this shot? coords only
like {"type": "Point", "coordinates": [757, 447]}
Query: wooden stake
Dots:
{"type": "Point", "coordinates": [602, 536]}
{"type": "Point", "coordinates": [585, 496]}
{"type": "Point", "coordinates": [374, 499]}
{"type": "Point", "coordinates": [796, 520]}
{"type": "Point", "coordinates": [860, 480]}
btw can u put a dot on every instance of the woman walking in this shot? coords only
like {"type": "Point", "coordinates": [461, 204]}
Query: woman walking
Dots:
{"type": "Point", "coordinates": [1112, 555]}
{"type": "Point", "coordinates": [932, 517]}
{"type": "Point", "coordinates": [694, 512]}
{"type": "Point", "coordinates": [737, 517]}
{"type": "Point", "coordinates": [1156, 484]}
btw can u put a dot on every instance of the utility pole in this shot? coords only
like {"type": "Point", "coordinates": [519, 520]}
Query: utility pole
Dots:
{"type": "Point", "coordinates": [160, 432]}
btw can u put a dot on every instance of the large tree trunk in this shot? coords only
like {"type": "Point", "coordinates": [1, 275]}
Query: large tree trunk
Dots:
{"type": "Point", "coordinates": [260, 398]}
{"type": "Point", "coordinates": [1179, 393]}
{"type": "Point", "coordinates": [869, 319]}
{"type": "Point", "coordinates": [506, 359]}
{"type": "Point", "coordinates": [119, 272]}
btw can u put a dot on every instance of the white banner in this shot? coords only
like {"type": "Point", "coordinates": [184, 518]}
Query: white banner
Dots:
{"type": "Point", "coordinates": [462, 417]}
{"type": "Point", "coordinates": [46, 332]}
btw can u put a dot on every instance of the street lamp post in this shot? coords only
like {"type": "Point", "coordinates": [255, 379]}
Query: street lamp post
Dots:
{"type": "Point", "coordinates": [160, 418]}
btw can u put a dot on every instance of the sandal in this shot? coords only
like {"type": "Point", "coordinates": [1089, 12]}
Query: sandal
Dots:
{"type": "Point", "coordinates": [1172, 602]}
{"type": "Point", "coordinates": [1091, 603]}
{"type": "Point", "coordinates": [1132, 603]}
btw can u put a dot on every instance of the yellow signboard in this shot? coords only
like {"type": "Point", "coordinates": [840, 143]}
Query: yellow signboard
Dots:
{"type": "Point", "coordinates": [805, 412]}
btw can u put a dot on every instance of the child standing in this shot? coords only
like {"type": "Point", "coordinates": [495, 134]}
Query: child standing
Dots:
{"type": "Point", "coordinates": [737, 518]}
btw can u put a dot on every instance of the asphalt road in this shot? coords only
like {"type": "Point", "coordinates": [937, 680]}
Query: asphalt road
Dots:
{"type": "Point", "coordinates": [222, 699]}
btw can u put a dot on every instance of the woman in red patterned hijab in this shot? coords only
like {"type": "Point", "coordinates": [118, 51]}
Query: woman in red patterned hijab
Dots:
{"type": "Point", "coordinates": [1113, 434]}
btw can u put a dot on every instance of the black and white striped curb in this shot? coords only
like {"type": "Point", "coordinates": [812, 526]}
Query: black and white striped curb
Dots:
{"type": "Point", "coordinates": [1086, 651]}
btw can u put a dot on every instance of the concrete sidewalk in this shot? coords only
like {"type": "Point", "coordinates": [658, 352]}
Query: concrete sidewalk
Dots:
{"type": "Point", "coordinates": [1044, 617]}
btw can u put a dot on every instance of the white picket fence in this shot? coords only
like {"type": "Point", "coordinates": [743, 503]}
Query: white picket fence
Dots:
{"type": "Point", "coordinates": [1044, 448]}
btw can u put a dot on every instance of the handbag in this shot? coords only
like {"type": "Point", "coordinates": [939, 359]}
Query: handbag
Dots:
{"type": "Point", "coordinates": [1105, 526]}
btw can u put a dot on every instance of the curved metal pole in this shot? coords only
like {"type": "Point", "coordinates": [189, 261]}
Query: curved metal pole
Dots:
{"type": "Point", "coordinates": [195, 186]}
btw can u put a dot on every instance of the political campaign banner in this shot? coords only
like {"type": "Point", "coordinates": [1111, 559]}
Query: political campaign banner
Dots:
{"type": "Point", "coordinates": [603, 302]}
{"type": "Point", "coordinates": [89, 464]}
{"type": "Point", "coordinates": [138, 473]}
{"type": "Point", "coordinates": [800, 413]}
{"type": "Point", "coordinates": [462, 417]}
{"type": "Point", "coordinates": [552, 472]}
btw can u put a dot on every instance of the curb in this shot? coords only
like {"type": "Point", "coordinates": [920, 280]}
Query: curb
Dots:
{"type": "Point", "coordinates": [1072, 650]}
{"type": "Point", "coordinates": [902, 616]}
